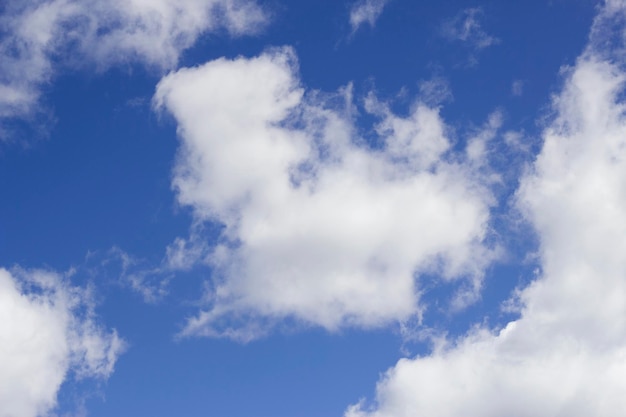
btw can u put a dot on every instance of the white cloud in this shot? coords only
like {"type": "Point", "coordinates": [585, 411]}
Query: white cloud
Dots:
{"type": "Point", "coordinates": [318, 227]}
{"type": "Point", "coordinates": [103, 33]}
{"type": "Point", "coordinates": [141, 276]}
{"type": "Point", "coordinates": [467, 29]}
{"type": "Point", "coordinates": [435, 91]}
{"type": "Point", "coordinates": [477, 145]}
{"type": "Point", "coordinates": [183, 254]}
{"type": "Point", "coordinates": [517, 88]}
{"type": "Point", "coordinates": [47, 331]}
{"type": "Point", "coordinates": [566, 354]}
{"type": "Point", "coordinates": [366, 11]}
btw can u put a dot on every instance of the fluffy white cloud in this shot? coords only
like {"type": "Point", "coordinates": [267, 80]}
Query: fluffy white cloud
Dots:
{"type": "Point", "coordinates": [318, 226]}
{"type": "Point", "coordinates": [47, 331]}
{"type": "Point", "coordinates": [366, 11]}
{"type": "Point", "coordinates": [566, 354]}
{"type": "Point", "coordinates": [37, 33]}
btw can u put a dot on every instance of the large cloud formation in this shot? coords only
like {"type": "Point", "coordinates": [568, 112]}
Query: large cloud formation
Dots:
{"type": "Point", "coordinates": [318, 226]}
{"type": "Point", "coordinates": [48, 330]}
{"type": "Point", "coordinates": [566, 354]}
{"type": "Point", "coordinates": [37, 35]}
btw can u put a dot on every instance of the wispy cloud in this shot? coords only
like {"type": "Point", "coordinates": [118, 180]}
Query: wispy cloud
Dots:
{"type": "Point", "coordinates": [366, 12]}
{"type": "Point", "coordinates": [466, 28]}
{"type": "Point", "coordinates": [435, 91]}
{"type": "Point", "coordinates": [517, 88]}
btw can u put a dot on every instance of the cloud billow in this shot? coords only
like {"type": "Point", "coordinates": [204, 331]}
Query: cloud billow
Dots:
{"type": "Point", "coordinates": [39, 36]}
{"type": "Point", "coordinates": [566, 354]}
{"type": "Point", "coordinates": [318, 227]}
{"type": "Point", "coordinates": [48, 332]}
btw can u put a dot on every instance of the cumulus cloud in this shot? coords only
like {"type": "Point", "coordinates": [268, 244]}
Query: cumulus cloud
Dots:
{"type": "Point", "coordinates": [366, 12]}
{"type": "Point", "coordinates": [37, 35]}
{"type": "Point", "coordinates": [566, 354]}
{"type": "Point", "coordinates": [48, 332]}
{"type": "Point", "coordinates": [317, 225]}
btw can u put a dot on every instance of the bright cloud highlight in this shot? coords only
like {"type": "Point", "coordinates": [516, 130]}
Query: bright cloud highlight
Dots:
{"type": "Point", "coordinates": [566, 354]}
{"type": "Point", "coordinates": [318, 226]}
{"type": "Point", "coordinates": [48, 333]}
{"type": "Point", "coordinates": [40, 35]}
{"type": "Point", "coordinates": [362, 223]}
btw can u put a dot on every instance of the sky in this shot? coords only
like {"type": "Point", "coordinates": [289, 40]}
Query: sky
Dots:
{"type": "Point", "coordinates": [268, 208]}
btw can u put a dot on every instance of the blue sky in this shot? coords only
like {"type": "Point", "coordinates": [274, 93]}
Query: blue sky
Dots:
{"type": "Point", "coordinates": [366, 208]}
